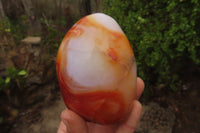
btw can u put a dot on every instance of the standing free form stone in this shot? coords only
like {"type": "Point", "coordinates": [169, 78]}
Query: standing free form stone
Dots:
{"type": "Point", "coordinates": [96, 70]}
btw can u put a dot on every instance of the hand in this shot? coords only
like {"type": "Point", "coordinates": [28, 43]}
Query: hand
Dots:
{"type": "Point", "coordinates": [73, 123]}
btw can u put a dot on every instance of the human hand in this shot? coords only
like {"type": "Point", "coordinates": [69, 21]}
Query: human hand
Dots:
{"type": "Point", "coordinates": [73, 123]}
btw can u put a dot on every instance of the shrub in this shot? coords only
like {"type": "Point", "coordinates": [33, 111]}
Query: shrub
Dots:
{"type": "Point", "coordinates": [13, 74]}
{"type": "Point", "coordinates": [13, 28]}
{"type": "Point", "coordinates": [165, 35]}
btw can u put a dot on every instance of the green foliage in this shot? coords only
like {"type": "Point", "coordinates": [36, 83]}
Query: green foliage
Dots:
{"type": "Point", "coordinates": [11, 85]}
{"type": "Point", "coordinates": [19, 28]}
{"type": "Point", "coordinates": [5, 26]}
{"type": "Point", "coordinates": [165, 35]}
{"type": "Point", "coordinates": [13, 75]}
{"type": "Point", "coordinates": [16, 28]}
{"type": "Point", "coordinates": [52, 37]}
{"type": "Point", "coordinates": [52, 34]}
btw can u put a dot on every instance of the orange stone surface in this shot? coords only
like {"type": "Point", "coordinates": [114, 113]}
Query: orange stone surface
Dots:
{"type": "Point", "coordinates": [96, 70]}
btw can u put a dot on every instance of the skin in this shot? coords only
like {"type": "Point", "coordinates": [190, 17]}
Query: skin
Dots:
{"type": "Point", "coordinates": [73, 123]}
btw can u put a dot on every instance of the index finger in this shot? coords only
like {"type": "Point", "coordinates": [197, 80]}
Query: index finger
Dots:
{"type": "Point", "coordinates": [140, 88]}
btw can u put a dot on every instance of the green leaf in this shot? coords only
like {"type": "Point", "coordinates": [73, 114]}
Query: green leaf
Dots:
{"type": "Point", "coordinates": [22, 73]}
{"type": "Point", "coordinates": [7, 81]}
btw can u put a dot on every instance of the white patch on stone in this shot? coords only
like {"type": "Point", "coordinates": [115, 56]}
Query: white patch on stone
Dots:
{"type": "Point", "coordinates": [89, 68]}
{"type": "Point", "coordinates": [107, 21]}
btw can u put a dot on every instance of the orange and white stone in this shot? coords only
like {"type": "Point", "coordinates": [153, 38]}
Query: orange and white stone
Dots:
{"type": "Point", "coordinates": [96, 70]}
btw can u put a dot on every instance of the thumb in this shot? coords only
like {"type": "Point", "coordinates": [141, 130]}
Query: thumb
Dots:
{"type": "Point", "coordinates": [130, 124]}
{"type": "Point", "coordinates": [73, 122]}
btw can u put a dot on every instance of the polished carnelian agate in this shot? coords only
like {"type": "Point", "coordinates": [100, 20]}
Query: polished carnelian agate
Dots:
{"type": "Point", "coordinates": [96, 70]}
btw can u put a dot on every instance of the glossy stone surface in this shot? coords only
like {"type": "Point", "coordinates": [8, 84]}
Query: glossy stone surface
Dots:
{"type": "Point", "coordinates": [96, 70]}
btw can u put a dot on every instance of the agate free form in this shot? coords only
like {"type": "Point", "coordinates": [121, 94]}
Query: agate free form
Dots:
{"type": "Point", "coordinates": [96, 70]}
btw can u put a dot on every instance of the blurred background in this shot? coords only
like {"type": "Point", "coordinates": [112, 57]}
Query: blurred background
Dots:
{"type": "Point", "coordinates": [165, 37]}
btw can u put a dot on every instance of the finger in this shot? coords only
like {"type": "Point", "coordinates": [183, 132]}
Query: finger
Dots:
{"type": "Point", "coordinates": [130, 124]}
{"type": "Point", "coordinates": [73, 122]}
{"type": "Point", "coordinates": [97, 128]}
{"type": "Point", "coordinates": [62, 128]}
{"type": "Point", "coordinates": [140, 87]}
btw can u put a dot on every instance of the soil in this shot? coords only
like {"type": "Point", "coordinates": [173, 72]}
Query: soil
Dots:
{"type": "Point", "coordinates": [39, 120]}
{"type": "Point", "coordinates": [184, 103]}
